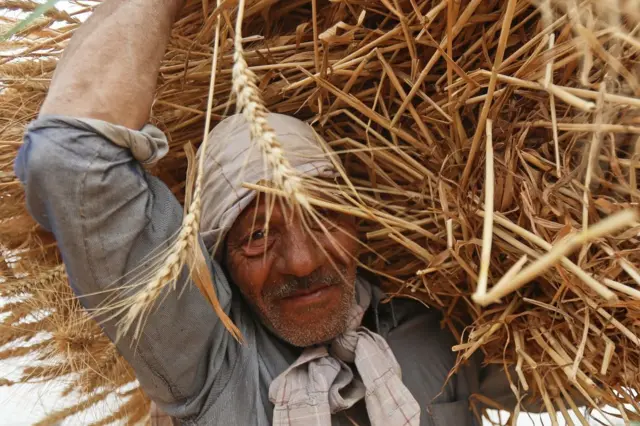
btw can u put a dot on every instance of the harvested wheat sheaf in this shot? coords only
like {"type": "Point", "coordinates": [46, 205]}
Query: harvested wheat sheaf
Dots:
{"type": "Point", "coordinates": [493, 153]}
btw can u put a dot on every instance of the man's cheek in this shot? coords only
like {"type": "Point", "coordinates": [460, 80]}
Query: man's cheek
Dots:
{"type": "Point", "coordinates": [256, 272]}
{"type": "Point", "coordinates": [343, 247]}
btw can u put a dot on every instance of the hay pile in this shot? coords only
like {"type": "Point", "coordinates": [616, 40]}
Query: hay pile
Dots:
{"type": "Point", "coordinates": [495, 150]}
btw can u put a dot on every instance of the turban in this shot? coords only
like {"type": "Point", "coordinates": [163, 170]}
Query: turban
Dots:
{"type": "Point", "coordinates": [232, 158]}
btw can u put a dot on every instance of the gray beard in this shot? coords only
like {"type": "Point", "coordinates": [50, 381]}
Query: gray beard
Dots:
{"type": "Point", "coordinates": [322, 331]}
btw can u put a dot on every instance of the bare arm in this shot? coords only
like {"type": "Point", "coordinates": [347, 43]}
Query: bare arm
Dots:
{"type": "Point", "coordinates": [110, 68]}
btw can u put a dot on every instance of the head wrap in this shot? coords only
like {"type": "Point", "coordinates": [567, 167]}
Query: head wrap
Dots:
{"type": "Point", "coordinates": [232, 159]}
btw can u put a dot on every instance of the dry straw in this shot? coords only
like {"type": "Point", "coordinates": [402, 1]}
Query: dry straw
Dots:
{"type": "Point", "coordinates": [492, 149]}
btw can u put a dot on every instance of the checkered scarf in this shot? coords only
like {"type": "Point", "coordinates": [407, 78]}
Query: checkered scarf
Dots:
{"type": "Point", "coordinates": [321, 381]}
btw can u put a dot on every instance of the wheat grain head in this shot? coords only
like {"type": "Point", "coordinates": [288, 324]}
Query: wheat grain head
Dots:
{"type": "Point", "coordinates": [250, 103]}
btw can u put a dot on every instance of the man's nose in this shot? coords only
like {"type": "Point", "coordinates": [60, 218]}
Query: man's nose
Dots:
{"type": "Point", "coordinates": [300, 255]}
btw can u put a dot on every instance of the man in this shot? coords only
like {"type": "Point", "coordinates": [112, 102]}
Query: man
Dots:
{"type": "Point", "coordinates": [319, 346]}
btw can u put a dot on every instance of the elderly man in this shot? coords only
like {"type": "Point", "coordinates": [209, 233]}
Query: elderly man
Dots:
{"type": "Point", "coordinates": [319, 346]}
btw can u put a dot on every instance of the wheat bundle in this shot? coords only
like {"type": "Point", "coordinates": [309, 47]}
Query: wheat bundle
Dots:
{"type": "Point", "coordinates": [493, 155]}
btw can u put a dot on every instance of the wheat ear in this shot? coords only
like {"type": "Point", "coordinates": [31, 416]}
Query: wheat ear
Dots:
{"type": "Point", "coordinates": [31, 285]}
{"type": "Point", "coordinates": [142, 301]}
{"type": "Point", "coordinates": [250, 102]}
{"type": "Point", "coordinates": [185, 247]}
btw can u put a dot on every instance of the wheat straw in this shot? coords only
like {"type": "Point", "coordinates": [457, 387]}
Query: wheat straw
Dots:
{"type": "Point", "coordinates": [487, 230]}
{"type": "Point", "coordinates": [607, 226]}
{"type": "Point", "coordinates": [401, 90]}
{"type": "Point", "coordinates": [185, 249]}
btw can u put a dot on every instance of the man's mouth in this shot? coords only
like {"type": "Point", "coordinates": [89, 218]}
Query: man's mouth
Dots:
{"type": "Point", "coordinates": [317, 289]}
{"type": "Point", "coordinates": [308, 292]}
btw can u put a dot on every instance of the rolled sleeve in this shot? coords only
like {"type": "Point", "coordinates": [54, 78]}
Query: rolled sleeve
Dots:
{"type": "Point", "coordinates": [108, 215]}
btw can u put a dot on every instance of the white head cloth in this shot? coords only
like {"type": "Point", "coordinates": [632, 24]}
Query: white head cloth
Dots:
{"type": "Point", "coordinates": [232, 159]}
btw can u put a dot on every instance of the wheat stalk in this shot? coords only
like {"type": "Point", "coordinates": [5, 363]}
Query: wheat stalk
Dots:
{"type": "Point", "coordinates": [165, 277]}
{"type": "Point", "coordinates": [487, 231]}
{"type": "Point", "coordinates": [611, 224]}
{"type": "Point", "coordinates": [250, 102]}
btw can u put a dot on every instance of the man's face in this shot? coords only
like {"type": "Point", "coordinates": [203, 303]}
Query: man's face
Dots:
{"type": "Point", "coordinates": [299, 278]}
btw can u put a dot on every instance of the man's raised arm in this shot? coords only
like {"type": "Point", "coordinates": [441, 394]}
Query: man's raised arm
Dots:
{"type": "Point", "coordinates": [110, 68]}
{"type": "Point", "coordinates": [106, 212]}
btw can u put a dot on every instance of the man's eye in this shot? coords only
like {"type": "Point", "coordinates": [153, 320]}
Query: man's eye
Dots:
{"type": "Point", "coordinates": [258, 235]}
{"type": "Point", "coordinates": [325, 213]}
{"type": "Point", "coordinates": [257, 243]}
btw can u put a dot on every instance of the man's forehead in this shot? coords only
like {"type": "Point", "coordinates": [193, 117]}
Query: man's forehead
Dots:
{"type": "Point", "coordinates": [266, 205]}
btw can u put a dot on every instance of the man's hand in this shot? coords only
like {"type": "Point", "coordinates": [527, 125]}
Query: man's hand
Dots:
{"type": "Point", "coordinates": [110, 68]}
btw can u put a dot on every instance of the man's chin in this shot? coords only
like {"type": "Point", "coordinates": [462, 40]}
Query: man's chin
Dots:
{"type": "Point", "coordinates": [311, 320]}
{"type": "Point", "coordinates": [311, 334]}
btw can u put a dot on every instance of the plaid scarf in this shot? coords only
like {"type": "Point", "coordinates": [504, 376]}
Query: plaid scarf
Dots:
{"type": "Point", "coordinates": [321, 382]}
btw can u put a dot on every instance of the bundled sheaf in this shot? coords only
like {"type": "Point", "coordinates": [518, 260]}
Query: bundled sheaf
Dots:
{"type": "Point", "coordinates": [492, 150]}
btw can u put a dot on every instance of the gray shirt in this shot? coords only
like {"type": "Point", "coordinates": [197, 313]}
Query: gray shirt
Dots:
{"type": "Point", "coordinates": [107, 214]}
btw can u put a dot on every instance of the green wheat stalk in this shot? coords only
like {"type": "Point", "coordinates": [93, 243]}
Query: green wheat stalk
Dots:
{"type": "Point", "coordinates": [37, 12]}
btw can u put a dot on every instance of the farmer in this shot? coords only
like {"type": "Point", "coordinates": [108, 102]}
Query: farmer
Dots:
{"type": "Point", "coordinates": [319, 346]}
